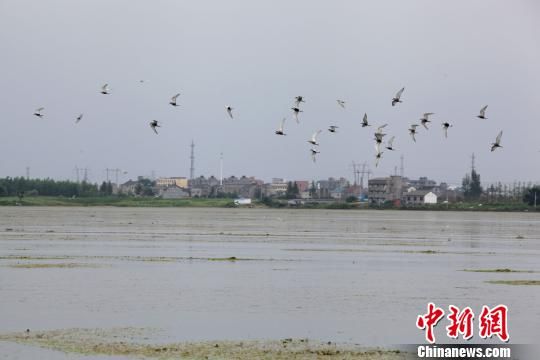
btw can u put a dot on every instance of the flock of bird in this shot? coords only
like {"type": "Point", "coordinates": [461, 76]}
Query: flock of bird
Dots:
{"type": "Point", "coordinates": [379, 135]}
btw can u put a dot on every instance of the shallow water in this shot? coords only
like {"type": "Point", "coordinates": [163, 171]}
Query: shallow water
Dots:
{"type": "Point", "coordinates": [359, 277]}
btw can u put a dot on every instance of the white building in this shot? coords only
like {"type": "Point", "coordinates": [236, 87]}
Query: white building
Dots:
{"type": "Point", "coordinates": [420, 197]}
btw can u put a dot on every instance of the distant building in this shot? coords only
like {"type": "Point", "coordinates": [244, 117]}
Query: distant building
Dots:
{"type": "Point", "coordinates": [244, 186]}
{"type": "Point", "coordinates": [331, 188]}
{"type": "Point", "coordinates": [172, 181]}
{"type": "Point", "coordinates": [381, 190]}
{"type": "Point", "coordinates": [303, 185]}
{"type": "Point", "coordinates": [423, 183]}
{"type": "Point", "coordinates": [419, 197]}
{"type": "Point", "coordinates": [278, 187]}
{"type": "Point", "coordinates": [174, 192]}
{"type": "Point", "coordinates": [128, 187]}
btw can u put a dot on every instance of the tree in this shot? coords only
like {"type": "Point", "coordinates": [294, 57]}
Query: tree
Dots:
{"type": "Point", "coordinates": [472, 188]}
{"type": "Point", "coordinates": [532, 195]}
{"type": "Point", "coordinates": [312, 189]}
{"type": "Point", "coordinates": [292, 190]}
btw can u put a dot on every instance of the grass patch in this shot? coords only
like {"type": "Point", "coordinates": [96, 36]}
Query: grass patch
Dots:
{"type": "Point", "coordinates": [100, 342]}
{"type": "Point", "coordinates": [498, 271]}
{"type": "Point", "coordinates": [52, 266]}
{"type": "Point", "coordinates": [514, 282]}
{"type": "Point", "coordinates": [114, 201]}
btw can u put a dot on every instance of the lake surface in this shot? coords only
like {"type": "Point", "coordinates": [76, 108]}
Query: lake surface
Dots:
{"type": "Point", "coordinates": [359, 277]}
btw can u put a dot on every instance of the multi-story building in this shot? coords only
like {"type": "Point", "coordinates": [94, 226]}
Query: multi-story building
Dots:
{"type": "Point", "coordinates": [244, 186]}
{"type": "Point", "coordinates": [181, 182]}
{"type": "Point", "coordinates": [381, 190]}
{"type": "Point", "coordinates": [128, 187]}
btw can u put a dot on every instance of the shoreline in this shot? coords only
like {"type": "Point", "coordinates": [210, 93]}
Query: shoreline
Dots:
{"type": "Point", "coordinates": [52, 201]}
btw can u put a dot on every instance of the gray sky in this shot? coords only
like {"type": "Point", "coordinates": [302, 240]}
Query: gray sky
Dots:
{"type": "Point", "coordinates": [453, 57]}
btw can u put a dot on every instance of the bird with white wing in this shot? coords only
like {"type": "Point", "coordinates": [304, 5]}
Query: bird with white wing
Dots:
{"type": "Point", "coordinates": [313, 140]}
{"type": "Point", "coordinates": [413, 131]}
{"type": "Point", "coordinates": [38, 111]}
{"type": "Point", "coordinates": [497, 143]}
{"type": "Point", "coordinates": [482, 114]}
{"type": "Point", "coordinates": [280, 130]}
{"type": "Point", "coordinates": [397, 99]}
{"type": "Point", "coordinates": [105, 89]}
{"type": "Point", "coordinates": [425, 119]}
{"type": "Point", "coordinates": [173, 100]}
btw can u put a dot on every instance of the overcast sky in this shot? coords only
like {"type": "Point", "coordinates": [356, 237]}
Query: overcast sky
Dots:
{"type": "Point", "coordinates": [453, 57]}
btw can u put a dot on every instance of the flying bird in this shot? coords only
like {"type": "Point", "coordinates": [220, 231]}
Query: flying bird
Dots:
{"type": "Point", "coordinates": [341, 103]}
{"type": "Point", "coordinates": [280, 130]}
{"type": "Point", "coordinates": [298, 100]}
{"type": "Point", "coordinates": [482, 113]}
{"type": "Point", "coordinates": [445, 126]}
{"type": "Point", "coordinates": [389, 145]}
{"type": "Point", "coordinates": [105, 89]}
{"type": "Point", "coordinates": [229, 111]}
{"type": "Point", "coordinates": [296, 111]}
{"type": "Point", "coordinates": [413, 131]}
{"type": "Point", "coordinates": [425, 119]}
{"type": "Point", "coordinates": [379, 129]}
{"type": "Point", "coordinates": [378, 156]}
{"type": "Point", "coordinates": [38, 112]}
{"type": "Point", "coordinates": [332, 128]}
{"type": "Point", "coordinates": [79, 118]}
{"type": "Point", "coordinates": [313, 154]}
{"type": "Point", "coordinates": [154, 124]}
{"type": "Point", "coordinates": [397, 98]}
{"type": "Point", "coordinates": [365, 121]}
{"type": "Point", "coordinates": [173, 100]}
{"type": "Point", "coordinates": [379, 134]}
{"type": "Point", "coordinates": [313, 140]}
{"type": "Point", "coordinates": [497, 142]}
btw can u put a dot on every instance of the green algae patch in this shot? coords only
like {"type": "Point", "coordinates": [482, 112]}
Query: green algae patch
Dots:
{"type": "Point", "coordinates": [514, 282]}
{"type": "Point", "coordinates": [506, 270]}
{"type": "Point", "coordinates": [52, 266]}
{"type": "Point", "coordinates": [120, 342]}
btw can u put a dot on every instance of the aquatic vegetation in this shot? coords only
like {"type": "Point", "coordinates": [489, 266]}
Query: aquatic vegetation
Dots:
{"type": "Point", "coordinates": [514, 282]}
{"type": "Point", "coordinates": [498, 270]}
{"type": "Point", "coordinates": [50, 266]}
{"type": "Point", "coordinates": [120, 342]}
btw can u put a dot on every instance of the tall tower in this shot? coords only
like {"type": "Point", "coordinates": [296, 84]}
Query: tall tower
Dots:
{"type": "Point", "coordinates": [192, 157]}
{"type": "Point", "coordinates": [221, 169]}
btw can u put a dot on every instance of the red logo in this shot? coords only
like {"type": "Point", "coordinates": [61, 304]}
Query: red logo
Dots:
{"type": "Point", "coordinates": [429, 321]}
{"type": "Point", "coordinates": [491, 322]}
{"type": "Point", "coordinates": [460, 323]}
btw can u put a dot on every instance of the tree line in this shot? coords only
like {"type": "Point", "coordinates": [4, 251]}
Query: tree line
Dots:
{"type": "Point", "coordinates": [20, 186]}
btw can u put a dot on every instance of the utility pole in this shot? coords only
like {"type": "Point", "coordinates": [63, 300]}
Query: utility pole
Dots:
{"type": "Point", "coordinates": [85, 178]}
{"type": "Point", "coordinates": [363, 172]}
{"type": "Point", "coordinates": [28, 173]}
{"type": "Point", "coordinates": [221, 169]}
{"type": "Point", "coordinates": [113, 171]}
{"type": "Point", "coordinates": [472, 163]}
{"type": "Point", "coordinates": [116, 172]}
{"type": "Point", "coordinates": [192, 158]}
{"type": "Point", "coordinates": [77, 174]}
{"type": "Point", "coordinates": [402, 168]}
{"type": "Point", "coordinates": [355, 174]}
